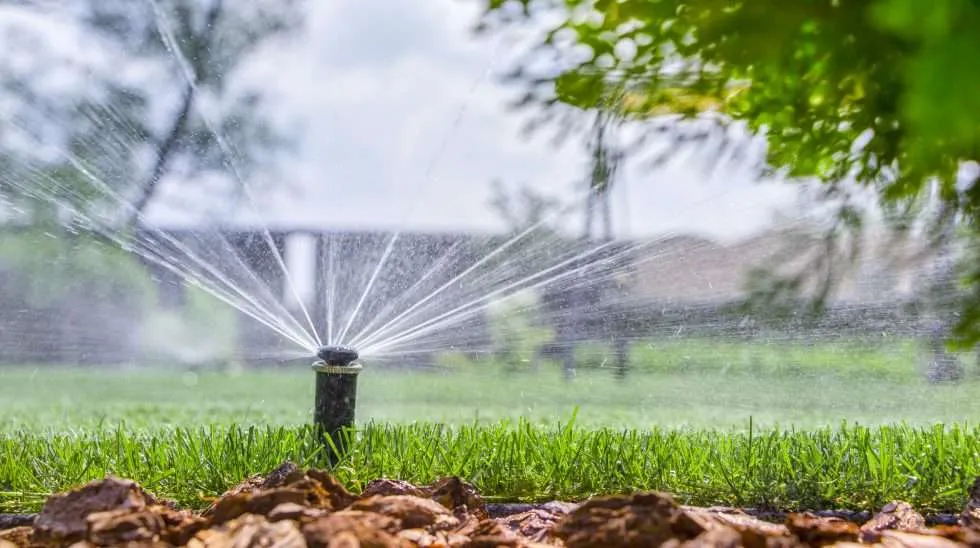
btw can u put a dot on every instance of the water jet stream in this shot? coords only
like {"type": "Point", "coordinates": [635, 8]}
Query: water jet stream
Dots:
{"type": "Point", "coordinates": [440, 320]}
{"type": "Point", "coordinates": [329, 293]}
{"type": "Point", "coordinates": [244, 302]}
{"type": "Point", "coordinates": [416, 309]}
{"type": "Point", "coordinates": [208, 267]}
{"type": "Point", "coordinates": [370, 284]}
{"type": "Point", "coordinates": [166, 33]}
{"type": "Point", "coordinates": [407, 313]}
{"type": "Point", "coordinates": [426, 179]}
{"type": "Point", "coordinates": [435, 268]}
{"type": "Point", "coordinates": [376, 346]}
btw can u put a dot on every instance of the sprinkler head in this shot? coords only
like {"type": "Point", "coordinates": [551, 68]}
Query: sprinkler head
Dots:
{"type": "Point", "coordinates": [337, 355]}
{"type": "Point", "coordinates": [336, 395]}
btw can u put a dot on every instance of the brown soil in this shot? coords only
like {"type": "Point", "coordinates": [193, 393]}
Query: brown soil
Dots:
{"type": "Point", "coordinates": [291, 507]}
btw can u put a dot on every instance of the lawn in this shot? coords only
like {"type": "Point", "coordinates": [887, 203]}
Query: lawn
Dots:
{"type": "Point", "coordinates": [844, 467]}
{"type": "Point", "coordinates": [734, 423]}
{"type": "Point", "coordinates": [674, 384]}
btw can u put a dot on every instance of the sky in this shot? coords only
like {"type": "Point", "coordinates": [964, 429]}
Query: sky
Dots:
{"type": "Point", "coordinates": [402, 123]}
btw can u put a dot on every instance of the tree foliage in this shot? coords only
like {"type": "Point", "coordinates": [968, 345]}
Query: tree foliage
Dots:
{"type": "Point", "coordinates": [877, 95]}
{"type": "Point", "coordinates": [129, 117]}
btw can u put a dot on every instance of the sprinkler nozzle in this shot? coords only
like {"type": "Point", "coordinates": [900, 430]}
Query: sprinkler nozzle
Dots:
{"type": "Point", "coordinates": [336, 394]}
{"type": "Point", "coordinates": [337, 355]}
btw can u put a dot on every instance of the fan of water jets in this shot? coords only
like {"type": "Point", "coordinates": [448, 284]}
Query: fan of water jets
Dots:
{"type": "Point", "coordinates": [389, 295]}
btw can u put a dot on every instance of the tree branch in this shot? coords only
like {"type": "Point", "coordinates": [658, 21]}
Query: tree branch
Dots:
{"type": "Point", "coordinates": [179, 126]}
{"type": "Point", "coordinates": [167, 147]}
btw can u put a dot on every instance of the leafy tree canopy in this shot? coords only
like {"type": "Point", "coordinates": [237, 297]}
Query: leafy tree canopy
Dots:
{"type": "Point", "coordinates": [117, 88]}
{"type": "Point", "coordinates": [879, 94]}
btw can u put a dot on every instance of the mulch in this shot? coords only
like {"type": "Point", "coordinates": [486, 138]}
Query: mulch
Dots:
{"type": "Point", "coordinates": [290, 507]}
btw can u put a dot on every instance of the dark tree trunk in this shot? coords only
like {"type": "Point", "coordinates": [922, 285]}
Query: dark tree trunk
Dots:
{"type": "Point", "coordinates": [148, 189]}
{"type": "Point", "coordinates": [621, 349]}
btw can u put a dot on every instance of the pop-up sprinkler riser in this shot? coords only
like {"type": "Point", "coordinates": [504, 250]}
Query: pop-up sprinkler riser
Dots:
{"type": "Point", "coordinates": [336, 393]}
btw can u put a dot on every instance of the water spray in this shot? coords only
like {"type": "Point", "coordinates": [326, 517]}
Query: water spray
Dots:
{"type": "Point", "coordinates": [336, 394]}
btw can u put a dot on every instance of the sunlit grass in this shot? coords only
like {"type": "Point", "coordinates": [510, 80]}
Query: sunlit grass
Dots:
{"type": "Point", "coordinates": [888, 358]}
{"type": "Point", "coordinates": [843, 467]}
{"type": "Point", "coordinates": [679, 422]}
{"type": "Point", "coordinates": [678, 383]}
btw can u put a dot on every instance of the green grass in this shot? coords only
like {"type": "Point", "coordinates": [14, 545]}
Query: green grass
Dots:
{"type": "Point", "coordinates": [679, 423]}
{"type": "Point", "coordinates": [679, 385]}
{"type": "Point", "coordinates": [73, 400]}
{"type": "Point", "coordinates": [841, 467]}
{"type": "Point", "coordinates": [896, 360]}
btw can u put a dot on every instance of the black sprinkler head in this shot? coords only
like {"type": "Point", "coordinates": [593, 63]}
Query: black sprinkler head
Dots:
{"type": "Point", "coordinates": [336, 395]}
{"type": "Point", "coordinates": [337, 355]}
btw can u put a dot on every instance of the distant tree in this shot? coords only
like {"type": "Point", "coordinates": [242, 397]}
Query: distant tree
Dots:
{"type": "Point", "coordinates": [604, 162]}
{"type": "Point", "coordinates": [101, 106]}
{"type": "Point", "coordinates": [877, 95]}
{"type": "Point", "coordinates": [524, 208]}
{"type": "Point", "coordinates": [534, 235]}
{"type": "Point", "coordinates": [125, 110]}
